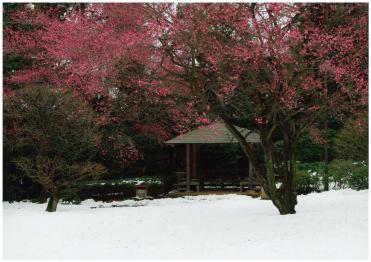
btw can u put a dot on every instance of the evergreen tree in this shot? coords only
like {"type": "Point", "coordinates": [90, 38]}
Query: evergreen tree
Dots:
{"type": "Point", "coordinates": [54, 139]}
{"type": "Point", "coordinates": [351, 143]}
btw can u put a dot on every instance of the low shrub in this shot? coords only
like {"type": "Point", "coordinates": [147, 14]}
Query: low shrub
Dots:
{"type": "Point", "coordinates": [309, 178]}
{"type": "Point", "coordinates": [307, 182]}
{"type": "Point", "coordinates": [349, 174]}
{"type": "Point", "coordinates": [342, 174]}
{"type": "Point", "coordinates": [113, 189]}
{"type": "Point", "coordinates": [169, 182]}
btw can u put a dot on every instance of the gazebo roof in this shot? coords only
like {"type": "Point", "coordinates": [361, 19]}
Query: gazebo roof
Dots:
{"type": "Point", "coordinates": [216, 133]}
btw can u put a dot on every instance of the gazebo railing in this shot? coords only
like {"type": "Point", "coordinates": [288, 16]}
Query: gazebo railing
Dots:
{"type": "Point", "coordinates": [222, 174]}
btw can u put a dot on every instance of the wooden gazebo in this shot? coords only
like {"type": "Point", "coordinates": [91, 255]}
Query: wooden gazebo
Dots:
{"type": "Point", "coordinates": [216, 133]}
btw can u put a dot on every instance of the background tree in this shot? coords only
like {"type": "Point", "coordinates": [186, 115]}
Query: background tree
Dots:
{"type": "Point", "coordinates": [55, 139]}
{"type": "Point", "coordinates": [341, 57]}
{"type": "Point", "coordinates": [351, 143]}
{"type": "Point", "coordinates": [108, 63]}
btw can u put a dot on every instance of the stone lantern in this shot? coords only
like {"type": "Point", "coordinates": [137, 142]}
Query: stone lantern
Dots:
{"type": "Point", "coordinates": [141, 190]}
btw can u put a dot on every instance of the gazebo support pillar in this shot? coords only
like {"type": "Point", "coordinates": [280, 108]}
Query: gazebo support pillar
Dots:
{"type": "Point", "coordinates": [250, 169]}
{"type": "Point", "coordinates": [194, 161]}
{"type": "Point", "coordinates": [188, 163]}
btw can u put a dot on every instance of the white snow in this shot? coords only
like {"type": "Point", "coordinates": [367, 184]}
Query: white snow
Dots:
{"type": "Point", "coordinates": [331, 225]}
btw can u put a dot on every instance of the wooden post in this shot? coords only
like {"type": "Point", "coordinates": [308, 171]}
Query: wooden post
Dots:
{"type": "Point", "coordinates": [188, 163]}
{"type": "Point", "coordinates": [194, 157]}
{"type": "Point", "coordinates": [171, 155]}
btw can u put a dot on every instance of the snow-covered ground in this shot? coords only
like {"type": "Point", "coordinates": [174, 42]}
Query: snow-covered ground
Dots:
{"type": "Point", "coordinates": [330, 225]}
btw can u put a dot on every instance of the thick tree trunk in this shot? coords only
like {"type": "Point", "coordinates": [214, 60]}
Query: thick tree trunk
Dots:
{"type": "Point", "coordinates": [284, 197]}
{"type": "Point", "coordinates": [288, 202]}
{"type": "Point", "coordinates": [289, 198]}
{"type": "Point", "coordinates": [43, 197]}
{"type": "Point", "coordinates": [325, 178]}
{"type": "Point", "coordinates": [52, 204]}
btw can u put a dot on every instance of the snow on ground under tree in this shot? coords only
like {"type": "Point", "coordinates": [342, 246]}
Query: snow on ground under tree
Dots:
{"type": "Point", "coordinates": [327, 225]}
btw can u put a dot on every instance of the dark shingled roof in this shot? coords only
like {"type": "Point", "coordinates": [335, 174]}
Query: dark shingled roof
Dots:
{"type": "Point", "coordinates": [216, 133]}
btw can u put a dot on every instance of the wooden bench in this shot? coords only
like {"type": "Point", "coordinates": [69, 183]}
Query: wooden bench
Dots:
{"type": "Point", "coordinates": [249, 182]}
{"type": "Point", "coordinates": [182, 182]}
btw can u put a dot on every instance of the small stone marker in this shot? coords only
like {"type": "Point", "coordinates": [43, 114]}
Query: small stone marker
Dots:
{"type": "Point", "coordinates": [141, 190]}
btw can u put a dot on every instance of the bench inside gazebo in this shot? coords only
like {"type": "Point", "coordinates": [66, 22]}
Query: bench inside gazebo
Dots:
{"type": "Point", "coordinates": [216, 133]}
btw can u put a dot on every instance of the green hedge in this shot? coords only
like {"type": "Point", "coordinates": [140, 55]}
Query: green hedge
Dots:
{"type": "Point", "coordinates": [349, 174]}
{"type": "Point", "coordinates": [309, 177]}
{"type": "Point", "coordinates": [307, 182]}
{"type": "Point", "coordinates": [342, 174]}
{"type": "Point", "coordinates": [117, 189]}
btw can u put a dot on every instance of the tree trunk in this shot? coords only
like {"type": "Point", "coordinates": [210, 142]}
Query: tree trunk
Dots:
{"type": "Point", "coordinates": [284, 197]}
{"type": "Point", "coordinates": [52, 204]}
{"type": "Point", "coordinates": [325, 178]}
{"type": "Point", "coordinates": [289, 197]}
{"type": "Point", "coordinates": [288, 202]}
{"type": "Point", "coordinates": [43, 197]}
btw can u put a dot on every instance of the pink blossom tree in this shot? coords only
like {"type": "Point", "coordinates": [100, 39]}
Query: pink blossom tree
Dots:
{"type": "Point", "coordinates": [103, 53]}
{"type": "Point", "coordinates": [264, 67]}
{"type": "Point", "coordinates": [274, 69]}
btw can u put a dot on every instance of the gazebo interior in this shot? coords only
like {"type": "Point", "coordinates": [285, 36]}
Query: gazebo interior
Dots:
{"type": "Point", "coordinates": [209, 158]}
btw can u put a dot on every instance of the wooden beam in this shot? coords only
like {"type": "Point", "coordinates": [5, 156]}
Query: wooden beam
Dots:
{"type": "Point", "coordinates": [188, 163]}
